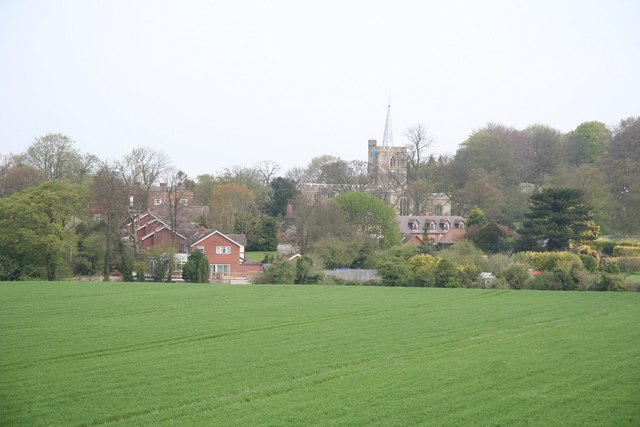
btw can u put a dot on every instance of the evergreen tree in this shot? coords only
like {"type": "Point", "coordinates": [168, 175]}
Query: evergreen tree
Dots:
{"type": "Point", "coordinates": [558, 218]}
{"type": "Point", "coordinates": [196, 269]}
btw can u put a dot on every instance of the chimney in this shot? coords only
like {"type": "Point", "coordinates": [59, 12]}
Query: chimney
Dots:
{"type": "Point", "coordinates": [200, 230]}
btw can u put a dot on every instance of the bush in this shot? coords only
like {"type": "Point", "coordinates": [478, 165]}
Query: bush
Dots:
{"type": "Point", "coordinates": [196, 270]}
{"type": "Point", "coordinates": [282, 272]}
{"type": "Point", "coordinates": [611, 267]}
{"type": "Point", "coordinates": [9, 268]}
{"type": "Point", "coordinates": [627, 264]}
{"type": "Point", "coordinates": [516, 275]}
{"type": "Point", "coordinates": [626, 251]}
{"type": "Point", "coordinates": [610, 282]}
{"type": "Point", "coordinates": [394, 273]}
{"type": "Point", "coordinates": [83, 267]}
{"type": "Point", "coordinates": [546, 261]}
{"type": "Point", "coordinates": [588, 262]}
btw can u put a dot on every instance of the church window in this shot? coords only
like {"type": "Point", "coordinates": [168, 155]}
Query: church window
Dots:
{"type": "Point", "coordinates": [392, 162]}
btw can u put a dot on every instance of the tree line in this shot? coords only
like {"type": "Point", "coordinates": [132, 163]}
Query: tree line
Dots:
{"type": "Point", "coordinates": [496, 175]}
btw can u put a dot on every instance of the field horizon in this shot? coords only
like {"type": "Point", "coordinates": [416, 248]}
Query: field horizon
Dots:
{"type": "Point", "coordinates": [156, 354]}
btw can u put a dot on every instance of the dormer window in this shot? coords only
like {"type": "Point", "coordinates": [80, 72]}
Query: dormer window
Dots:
{"type": "Point", "coordinates": [432, 225]}
{"type": "Point", "coordinates": [415, 225]}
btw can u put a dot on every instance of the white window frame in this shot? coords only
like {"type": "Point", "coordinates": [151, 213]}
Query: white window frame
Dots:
{"type": "Point", "coordinates": [200, 248]}
{"type": "Point", "coordinates": [223, 250]}
{"type": "Point", "coordinates": [157, 202]}
{"type": "Point", "coordinates": [220, 269]}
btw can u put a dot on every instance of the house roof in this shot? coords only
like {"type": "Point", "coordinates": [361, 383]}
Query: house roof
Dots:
{"type": "Point", "coordinates": [407, 223]}
{"type": "Point", "coordinates": [237, 239]}
{"type": "Point", "coordinates": [185, 213]}
{"type": "Point", "coordinates": [453, 235]}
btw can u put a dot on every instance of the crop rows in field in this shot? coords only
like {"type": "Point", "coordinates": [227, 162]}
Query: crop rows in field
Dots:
{"type": "Point", "coordinates": [134, 354]}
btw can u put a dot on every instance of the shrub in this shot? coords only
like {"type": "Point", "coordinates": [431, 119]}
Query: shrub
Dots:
{"type": "Point", "coordinates": [610, 282]}
{"type": "Point", "coordinates": [196, 270]}
{"type": "Point", "coordinates": [611, 267]}
{"type": "Point", "coordinates": [545, 281]}
{"type": "Point", "coordinates": [283, 272]}
{"type": "Point", "coordinates": [589, 262]}
{"type": "Point", "coordinates": [546, 261]}
{"type": "Point", "coordinates": [628, 264]}
{"type": "Point", "coordinates": [516, 275]}
{"type": "Point", "coordinates": [9, 268]}
{"type": "Point", "coordinates": [626, 251]}
{"type": "Point", "coordinates": [446, 274]}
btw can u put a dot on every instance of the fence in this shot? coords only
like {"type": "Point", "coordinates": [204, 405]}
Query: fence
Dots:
{"type": "Point", "coordinates": [354, 274]}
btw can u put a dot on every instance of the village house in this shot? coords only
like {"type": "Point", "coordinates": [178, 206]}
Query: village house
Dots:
{"type": "Point", "coordinates": [440, 229]}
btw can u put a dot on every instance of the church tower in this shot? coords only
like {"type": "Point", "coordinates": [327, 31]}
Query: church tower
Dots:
{"type": "Point", "coordinates": [387, 168]}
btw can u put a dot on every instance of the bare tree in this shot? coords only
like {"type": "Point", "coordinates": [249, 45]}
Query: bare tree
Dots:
{"type": "Point", "coordinates": [267, 169]}
{"type": "Point", "coordinates": [419, 142]}
{"type": "Point", "coordinates": [295, 174]}
{"type": "Point", "coordinates": [139, 171]}
{"type": "Point", "coordinates": [107, 189]}
{"type": "Point", "coordinates": [176, 182]}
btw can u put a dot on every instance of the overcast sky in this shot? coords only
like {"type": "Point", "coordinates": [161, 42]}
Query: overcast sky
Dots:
{"type": "Point", "coordinates": [221, 83]}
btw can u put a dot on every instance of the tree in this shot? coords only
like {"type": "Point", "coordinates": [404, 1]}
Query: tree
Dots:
{"type": "Point", "coordinates": [558, 218]}
{"type": "Point", "coordinates": [314, 171]}
{"type": "Point", "coordinates": [234, 209]}
{"type": "Point", "coordinates": [492, 149]}
{"type": "Point", "coordinates": [265, 236]}
{"type": "Point", "coordinates": [176, 182]}
{"type": "Point", "coordinates": [18, 178]}
{"type": "Point", "coordinates": [419, 141]}
{"type": "Point", "coordinates": [597, 195]}
{"type": "Point", "coordinates": [476, 217]}
{"type": "Point", "coordinates": [304, 271]}
{"type": "Point", "coordinates": [108, 191]}
{"type": "Point", "coordinates": [267, 169]}
{"type": "Point", "coordinates": [283, 192]}
{"type": "Point", "coordinates": [37, 227]}
{"type": "Point", "coordinates": [55, 155]}
{"type": "Point", "coordinates": [621, 166]}
{"type": "Point", "coordinates": [139, 170]}
{"type": "Point", "coordinates": [543, 152]}
{"type": "Point", "coordinates": [196, 269]}
{"type": "Point", "coordinates": [203, 188]}
{"type": "Point", "coordinates": [489, 237]}
{"type": "Point", "coordinates": [370, 216]}
{"type": "Point", "coordinates": [483, 192]}
{"type": "Point", "coordinates": [587, 143]}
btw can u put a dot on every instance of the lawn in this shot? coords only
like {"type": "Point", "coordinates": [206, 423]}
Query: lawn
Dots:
{"type": "Point", "coordinates": [258, 256]}
{"type": "Point", "coordinates": [150, 354]}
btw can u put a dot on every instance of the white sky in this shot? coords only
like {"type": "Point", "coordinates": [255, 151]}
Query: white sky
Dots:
{"type": "Point", "coordinates": [221, 83]}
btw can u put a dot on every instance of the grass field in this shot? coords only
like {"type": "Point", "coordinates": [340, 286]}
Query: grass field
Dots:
{"type": "Point", "coordinates": [148, 354]}
{"type": "Point", "coordinates": [258, 256]}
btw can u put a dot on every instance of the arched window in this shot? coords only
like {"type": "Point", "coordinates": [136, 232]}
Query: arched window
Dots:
{"type": "Point", "coordinates": [392, 162]}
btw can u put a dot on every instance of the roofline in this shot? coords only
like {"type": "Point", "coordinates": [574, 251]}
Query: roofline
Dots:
{"type": "Point", "coordinates": [206, 236]}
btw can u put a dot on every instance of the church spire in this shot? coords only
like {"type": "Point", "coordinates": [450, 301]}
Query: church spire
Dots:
{"type": "Point", "coordinates": [387, 139]}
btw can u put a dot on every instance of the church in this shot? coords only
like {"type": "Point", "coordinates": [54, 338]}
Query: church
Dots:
{"type": "Point", "coordinates": [387, 176]}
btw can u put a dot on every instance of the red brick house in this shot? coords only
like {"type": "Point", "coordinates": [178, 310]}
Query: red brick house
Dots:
{"type": "Point", "coordinates": [225, 252]}
{"type": "Point", "coordinates": [152, 231]}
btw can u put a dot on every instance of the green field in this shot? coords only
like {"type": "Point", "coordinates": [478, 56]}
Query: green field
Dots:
{"type": "Point", "coordinates": [149, 354]}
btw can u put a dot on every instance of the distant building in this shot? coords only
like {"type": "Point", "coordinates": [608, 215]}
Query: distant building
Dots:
{"type": "Point", "coordinates": [387, 170]}
{"type": "Point", "coordinates": [442, 229]}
